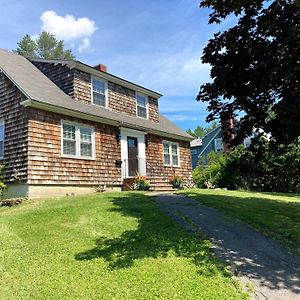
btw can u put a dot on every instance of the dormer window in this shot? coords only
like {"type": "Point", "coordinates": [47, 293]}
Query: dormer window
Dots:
{"type": "Point", "coordinates": [99, 92]}
{"type": "Point", "coordinates": [141, 105]}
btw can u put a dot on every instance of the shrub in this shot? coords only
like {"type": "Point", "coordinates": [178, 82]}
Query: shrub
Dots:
{"type": "Point", "coordinates": [209, 172]}
{"type": "Point", "coordinates": [2, 185]}
{"type": "Point", "coordinates": [141, 183]}
{"type": "Point", "coordinates": [260, 169]}
{"type": "Point", "coordinates": [176, 181]}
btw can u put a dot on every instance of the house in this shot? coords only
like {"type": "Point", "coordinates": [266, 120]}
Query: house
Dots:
{"type": "Point", "coordinates": [212, 142]}
{"type": "Point", "coordinates": [66, 127]}
{"type": "Point", "coordinates": [196, 146]}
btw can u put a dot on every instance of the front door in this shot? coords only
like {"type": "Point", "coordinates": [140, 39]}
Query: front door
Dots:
{"type": "Point", "coordinates": [133, 163]}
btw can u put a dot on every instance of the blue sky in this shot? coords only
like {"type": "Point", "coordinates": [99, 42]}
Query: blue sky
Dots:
{"type": "Point", "coordinates": [155, 43]}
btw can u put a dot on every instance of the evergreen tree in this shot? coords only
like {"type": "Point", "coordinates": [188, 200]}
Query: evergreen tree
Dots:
{"type": "Point", "coordinates": [46, 46]}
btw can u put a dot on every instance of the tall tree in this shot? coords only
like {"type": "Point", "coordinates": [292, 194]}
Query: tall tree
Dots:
{"type": "Point", "coordinates": [45, 46]}
{"type": "Point", "coordinates": [255, 67]}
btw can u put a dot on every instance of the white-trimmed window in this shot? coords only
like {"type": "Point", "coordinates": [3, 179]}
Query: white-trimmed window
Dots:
{"type": "Point", "coordinates": [193, 151]}
{"type": "Point", "coordinates": [99, 91]}
{"type": "Point", "coordinates": [78, 140]}
{"type": "Point", "coordinates": [141, 105]}
{"type": "Point", "coordinates": [219, 145]}
{"type": "Point", "coordinates": [1, 139]}
{"type": "Point", "coordinates": [171, 154]}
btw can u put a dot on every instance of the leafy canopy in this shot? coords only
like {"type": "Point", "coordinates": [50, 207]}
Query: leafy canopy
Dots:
{"type": "Point", "coordinates": [255, 67]}
{"type": "Point", "coordinates": [45, 46]}
{"type": "Point", "coordinates": [200, 131]}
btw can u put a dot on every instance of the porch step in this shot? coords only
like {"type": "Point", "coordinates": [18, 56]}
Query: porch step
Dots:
{"type": "Point", "coordinates": [160, 184]}
{"type": "Point", "coordinates": [157, 184]}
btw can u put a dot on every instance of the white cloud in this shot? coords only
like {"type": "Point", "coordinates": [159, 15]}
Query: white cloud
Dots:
{"type": "Point", "coordinates": [68, 28]}
{"type": "Point", "coordinates": [85, 45]}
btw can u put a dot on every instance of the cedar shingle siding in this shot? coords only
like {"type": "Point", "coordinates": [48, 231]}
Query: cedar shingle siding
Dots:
{"type": "Point", "coordinates": [46, 166]}
{"type": "Point", "coordinates": [32, 142]}
{"type": "Point", "coordinates": [154, 155]}
{"type": "Point", "coordinates": [77, 84]}
{"type": "Point", "coordinates": [60, 74]}
{"type": "Point", "coordinates": [15, 141]}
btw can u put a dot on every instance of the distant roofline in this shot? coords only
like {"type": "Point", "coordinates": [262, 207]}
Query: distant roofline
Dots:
{"type": "Point", "coordinates": [217, 129]}
{"type": "Point", "coordinates": [108, 76]}
{"type": "Point", "coordinates": [211, 131]}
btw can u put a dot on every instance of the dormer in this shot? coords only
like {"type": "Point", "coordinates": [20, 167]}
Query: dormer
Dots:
{"type": "Point", "coordinates": [95, 86]}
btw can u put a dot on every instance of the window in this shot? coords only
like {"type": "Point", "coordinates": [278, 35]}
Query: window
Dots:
{"type": "Point", "coordinates": [218, 145]}
{"type": "Point", "coordinates": [193, 151]}
{"type": "Point", "coordinates": [99, 92]}
{"type": "Point", "coordinates": [141, 105]}
{"type": "Point", "coordinates": [247, 142]}
{"type": "Point", "coordinates": [171, 154]}
{"type": "Point", "coordinates": [1, 139]}
{"type": "Point", "coordinates": [86, 145]}
{"type": "Point", "coordinates": [77, 140]}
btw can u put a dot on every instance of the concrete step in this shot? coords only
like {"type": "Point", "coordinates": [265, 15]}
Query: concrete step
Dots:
{"type": "Point", "coordinates": [161, 182]}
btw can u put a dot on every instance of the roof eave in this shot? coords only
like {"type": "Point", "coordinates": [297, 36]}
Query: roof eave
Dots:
{"type": "Point", "coordinates": [88, 69]}
{"type": "Point", "coordinates": [72, 113]}
{"type": "Point", "coordinates": [75, 64]}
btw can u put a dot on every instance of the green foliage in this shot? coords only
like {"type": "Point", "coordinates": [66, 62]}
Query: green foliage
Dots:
{"type": "Point", "coordinates": [176, 181]}
{"type": "Point", "coordinates": [27, 47]}
{"type": "Point", "coordinates": [255, 67]}
{"type": "Point", "coordinates": [274, 215]}
{"type": "Point", "coordinates": [105, 246]}
{"type": "Point", "coordinates": [208, 169]}
{"type": "Point", "coordinates": [141, 183]}
{"type": "Point", "coordinates": [2, 185]}
{"type": "Point", "coordinates": [46, 46]}
{"type": "Point", "coordinates": [253, 169]}
{"type": "Point", "coordinates": [200, 131]}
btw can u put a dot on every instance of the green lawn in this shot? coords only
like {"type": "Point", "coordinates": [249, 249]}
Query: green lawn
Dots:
{"type": "Point", "coordinates": [104, 246]}
{"type": "Point", "coordinates": [275, 215]}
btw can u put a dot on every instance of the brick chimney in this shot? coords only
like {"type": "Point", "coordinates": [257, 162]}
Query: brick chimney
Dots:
{"type": "Point", "coordinates": [101, 68]}
{"type": "Point", "coordinates": [227, 127]}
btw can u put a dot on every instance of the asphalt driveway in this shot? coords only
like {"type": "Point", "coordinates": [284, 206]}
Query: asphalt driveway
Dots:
{"type": "Point", "coordinates": [273, 272]}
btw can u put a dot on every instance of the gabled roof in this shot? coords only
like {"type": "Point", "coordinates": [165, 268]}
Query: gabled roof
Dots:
{"type": "Point", "coordinates": [42, 93]}
{"type": "Point", "coordinates": [209, 137]}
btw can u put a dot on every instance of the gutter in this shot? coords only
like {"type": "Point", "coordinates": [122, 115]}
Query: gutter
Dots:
{"type": "Point", "coordinates": [73, 113]}
{"type": "Point", "coordinates": [109, 77]}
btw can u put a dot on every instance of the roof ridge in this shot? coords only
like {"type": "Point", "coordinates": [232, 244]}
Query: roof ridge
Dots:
{"type": "Point", "coordinates": [44, 94]}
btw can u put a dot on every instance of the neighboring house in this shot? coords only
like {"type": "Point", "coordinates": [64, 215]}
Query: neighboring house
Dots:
{"type": "Point", "coordinates": [196, 146]}
{"type": "Point", "coordinates": [66, 127]}
{"type": "Point", "coordinates": [212, 142]}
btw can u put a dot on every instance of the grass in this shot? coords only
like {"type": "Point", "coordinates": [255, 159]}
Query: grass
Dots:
{"type": "Point", "coordinates": [105, 246]}
{"type": "Point", "coordinates": [274, 215]}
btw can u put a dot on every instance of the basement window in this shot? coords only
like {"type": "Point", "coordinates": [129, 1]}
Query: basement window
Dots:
{"type": "Point", "coordinates": [99, 92]}
{"type": "Point", "coordinates": [78, 141]}
{"type": "Point", "coordinates": [171, 154]}
{"type": "Point", "coordinates": [141, 105]}
{"type": "Point", "coordinates": [1, 139]}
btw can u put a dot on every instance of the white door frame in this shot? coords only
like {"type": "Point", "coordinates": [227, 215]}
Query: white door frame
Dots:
{"type": "Point", "coordinates": [140, 135]}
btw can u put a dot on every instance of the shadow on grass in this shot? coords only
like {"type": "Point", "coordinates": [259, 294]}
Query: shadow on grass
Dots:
{"type": "Point", "coordinates": [276, 218]}
{"type": "Point", "coordinates": [256, 256]}
{"type": "Point", "coordinates": [156, 236]}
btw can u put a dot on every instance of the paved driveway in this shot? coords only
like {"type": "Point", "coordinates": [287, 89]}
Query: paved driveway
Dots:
{"type": "Point", "coordinates": [274, 273]}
